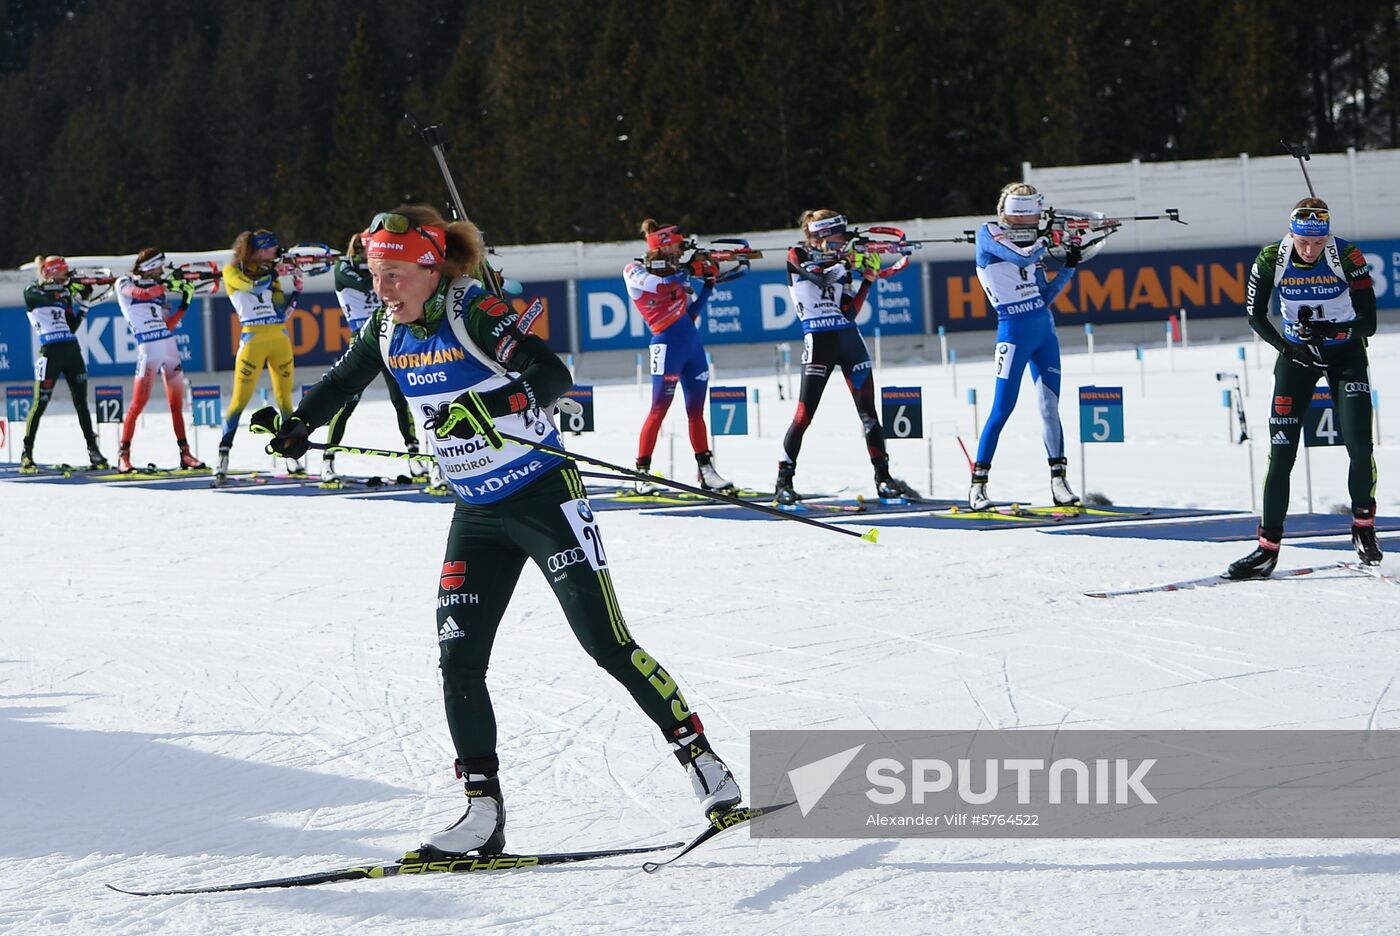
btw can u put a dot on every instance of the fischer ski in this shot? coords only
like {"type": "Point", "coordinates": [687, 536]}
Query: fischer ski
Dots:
{"type": "Point", "coordinates": [463, 865]}
{"type": "Point", "coordinates": [1210, 580]}
{"type": "Point", "coordinates": [737, 816]}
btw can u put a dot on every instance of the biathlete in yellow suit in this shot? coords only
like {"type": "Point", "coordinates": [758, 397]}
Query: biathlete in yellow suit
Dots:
{"type": "Point", "coordinates": [253, 287]}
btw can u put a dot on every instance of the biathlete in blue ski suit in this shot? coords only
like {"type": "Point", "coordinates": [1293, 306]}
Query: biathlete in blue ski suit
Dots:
{"type": "Point", "coordinates": [473, 372]}
{"type": "Point", "coordinates": [1011, 267]}
{"type": "Point", "coordinates": [664, 293]}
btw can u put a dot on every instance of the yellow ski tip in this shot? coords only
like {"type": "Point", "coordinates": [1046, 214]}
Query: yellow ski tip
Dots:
{"type": "Point", "coordinates": [871, 535]}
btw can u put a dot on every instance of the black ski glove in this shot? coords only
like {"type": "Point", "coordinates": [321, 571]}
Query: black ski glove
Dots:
{"type": "Point", "coordinates": [1303, 355]}
{"type": "Point", "coordinates": [1321, 332]}
{"type": "Point", "coordinates": [1073, 254]}
{"type": "Point", "coordinates": [290, 437]}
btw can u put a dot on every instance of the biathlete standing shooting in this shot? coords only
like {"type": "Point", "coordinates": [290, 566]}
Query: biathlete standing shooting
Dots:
{"type": "Point", "coordinates": [1328, 305]}
{"type": "Point", "coordinates": [142, 295]}
{"type": "Point", "coordinates": [1011, 267]}
{"type": "Point", "coordinates": [821, 271]}
{"type": "Point", "coordinates": [55, 306]}
{"type": "Point", "coordinates": [669, 302]}
{"type": "Point", "coordinates": [464, 364]}
{"type": "Point", "coordinates": [255, 290]}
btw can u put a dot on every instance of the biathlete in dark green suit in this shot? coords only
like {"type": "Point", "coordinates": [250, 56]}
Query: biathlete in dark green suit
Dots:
{"type": "Point", "coordinates": [1328, 307]}
{"type": "Point", "coordinates": [471, 370]}
{"type": "Point", "coordinates": [55, 306]}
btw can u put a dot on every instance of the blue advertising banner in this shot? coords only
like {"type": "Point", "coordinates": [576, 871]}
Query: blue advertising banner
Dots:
{"type": "Point", "coordinates": [755, 307]}
{"type": "Point", "coordinates": [16, 344]}
{"type": "Point", "coordinates": [1384, 258]}
{"type": "Point", "coordinates": [107, 345]}
{"type": "Point", "coordinates": [320, 335]}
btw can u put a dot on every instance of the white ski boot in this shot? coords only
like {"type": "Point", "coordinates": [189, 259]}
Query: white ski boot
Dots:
{"type": "Point", "coordinates": [419, 466]}
{"type": "Point", "coordinates": [710, 778]}
{"type": "Point", "coordinates": [482, 828]}
{"type": "Point", "coordinates": [977, 498]}
{"type": "Point", "coordinates": [1059, 487]}
{"type": "Point", "coordinates": [643, 486]}
{"type": "Point", "coordinates": [330, 478]}
{"type": "Point", "coordinates": [437, 483]}
{"type": "Point", "coordinates": [221, 472]}
{"type": "Point", "coordinates": [296, 467]}
{"type": "Point", "coordinates": [710, 479]}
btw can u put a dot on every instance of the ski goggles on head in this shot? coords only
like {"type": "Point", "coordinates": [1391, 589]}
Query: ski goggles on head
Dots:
{"type": "Point", "coordinates": [394, 237]}
{"type": "Point", "coordinates": [827, 227]}
{"type": "Point", "coordinates": [54, 268]}
{"type": "Point", "coordinates": [1310, 222]}
{"type": "Point", "coordinates": [261, 240]}
{"type": "Point", "coordinates": [151, 265]}
{"type": "Point", "coordinates": [1019, 205]}
{"type": "Point", "coordinates": [662, 238]}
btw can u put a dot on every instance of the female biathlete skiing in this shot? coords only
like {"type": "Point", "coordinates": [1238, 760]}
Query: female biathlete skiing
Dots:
{"type": "Point", "coordinates": [821, 271]}
{"type": "Point", "coordinates": [1328, 304]}
{"type": "Point", "coordinates": [142, 295]}
{"type": "Point", "coordinates": [255, 290]}
{"type": "Point", "coordinates": [467, 366]}
{"type": "Point", "coordinates": [1011, 267]}
{"type": "Point", "coordinates": [670, 305]}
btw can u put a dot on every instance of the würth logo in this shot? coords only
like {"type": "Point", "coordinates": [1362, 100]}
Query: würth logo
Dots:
{"type": "Point", "coordinates": [453, 575]}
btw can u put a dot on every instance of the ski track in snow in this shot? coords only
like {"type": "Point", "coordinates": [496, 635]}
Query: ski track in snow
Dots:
{"type": "Point", "coordinates": [208, 687]}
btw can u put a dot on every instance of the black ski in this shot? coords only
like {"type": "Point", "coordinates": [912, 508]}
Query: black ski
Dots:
{"type": "Point", "coordinates": [466, 865]}
{"type": "Point", "coordinates": [721, 823]}
{"type": "Point", "coordinates": [1211, 580]}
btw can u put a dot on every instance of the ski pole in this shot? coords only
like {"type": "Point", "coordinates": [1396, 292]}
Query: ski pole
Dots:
{"type": "Point", "coordinates": [1299, 151]}
{"type": "Point", "coordinates": [870, 536]}
{"type": "Point", "coordinates": [970, 465]}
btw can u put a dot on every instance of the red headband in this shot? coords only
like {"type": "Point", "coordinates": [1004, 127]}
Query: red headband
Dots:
{"type": "Point", "coordinates": [664, 237]}
{"type": "Point", "coordinates": [54, 267]}
{"type": "Point", "coordinates": [424, 245]}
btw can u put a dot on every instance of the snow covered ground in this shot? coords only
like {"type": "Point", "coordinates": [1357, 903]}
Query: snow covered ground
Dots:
{"type": "Point", "coordinates": [199, 686]}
